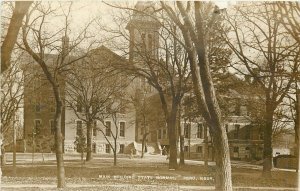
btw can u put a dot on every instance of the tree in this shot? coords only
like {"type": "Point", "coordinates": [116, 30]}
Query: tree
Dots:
{"type": "Point", "coordinates": [39, 42]}
{"type": "Point", "coordinates": [91, 87]}
{"type": "Point", "coordinates": [269, 55]}
{"type": "Point", "coordinates": [19, 11]}
{"type": "Point", "coordinates": [81, 146]}
{"type": "Point", "coordinates": [11, 102]}
{"type": "Point", "coordinates": [288, 16]}
{"type": "Point", "coordinates": [196, 23]}
{"type": "Point", "coordinates": [143, 111]}
{"type": "Point", "coordinates": [157, 59]}
{"type": "Point", "coordinates": [108, 132]}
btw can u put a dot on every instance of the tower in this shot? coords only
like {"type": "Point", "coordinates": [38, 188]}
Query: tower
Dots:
{"type": "Point", "coordinates": [143, 30]}
{"type": "Point", "coordinates": [144, 42]}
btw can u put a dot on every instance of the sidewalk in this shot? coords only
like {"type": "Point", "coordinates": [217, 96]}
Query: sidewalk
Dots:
{"type": "Point", "coordinates": [126, 186]}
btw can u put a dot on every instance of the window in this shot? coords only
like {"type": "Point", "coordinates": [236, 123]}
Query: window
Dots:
{"type": "Point", "coordinates": [37, 126]}
{"type": "Point", "coordinates": [150, 41]}
{"type": "Point", "coordinates": [159, 134]}
{"type": "Point", "coordinates": [238, 109]}
{"type": "Point", "coordinates": [79, 105]}
{"type": "Point", "coordinates": [248, 132]}
{"type": "Point", "coordinates": [37, 106]}
{"type": "Point", "coordinates": [52, 127]}
{"type": "Point", "coordinates": [37, 82]}
{"type": "Point", "coordinates": [122, 146]}
{"type": "Point", "coordinates": [52, 104]}
{"type": "Point", "coordinates": [236, 149]}
{"type": "Point", "coordinates": [107, 128]}
{"type": "Point", "coordinates": [141, 131]}
{"type": "Point", "coordinates": [122, 129]}
{"type": "Point", "coordinates": [236, 131]}
{"type": "Point", "coordinates": [226, 127]}
{"type": "Point", "coordinates": [244, 110]}
{"type": "Point", "coordinates": [95, 128]}
{"type": "Point", "coordinates": [79, 128]}
{"type": "Point", "coordinates": [107, 148]}
{"type": "Point", "coordinates": [94, 148]}
{"type": "Point", "coordinates": [187, 130]}
{"type": "Point", "coordinates": [200, 131]}
{"type": "Point", "coordinates": [164, 133]}
{"type": "Point", "coordinates": [199, 149]}
{"type": "Point", "coordinates": [261, 136]}
{"type": "Point", "coordinates": [186, 148]}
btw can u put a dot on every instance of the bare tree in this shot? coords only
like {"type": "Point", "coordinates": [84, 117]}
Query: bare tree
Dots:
{"type": "Point", "coordinates": [196, 22]}
{"type": "Point", "coordinates": [39, 42]}
{"type": "Point", "coordinates": [269, 55]}
{"type": "Point", "coordinates": [11, 101]}
{"type": "Point", "coordinates": [158, 60]}
{"type": "Point", "coordinates": [107, 131]}
{"type": "Point", "coordinates": [289, 15]}
{"type": "Point", "coordinates": [90, 88]}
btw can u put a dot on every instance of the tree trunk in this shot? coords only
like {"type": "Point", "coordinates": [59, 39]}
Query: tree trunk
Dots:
{"type": "Point", "coordinates": [59, 141]}
{"type": "Point", "coordinates": [115, 152]}
{"type": "Point", "coordinates": [3, 158]}
{"type": "Point", "coordinates": [58, 114]}
{"type": "Point", "coordinates": [223, 166]}
{"type": "Point", "coordinates": [33, 148]}
{"type": "Point", "coordinates": [14, 150]}
{"type": "Point", "coordinates": [205, 147]}
{"type": "Point", "coordinates": [195, 40]}
{"type": "Point", "coordinates": [144, 143]}
{"type": "Point", "coordinates": [297, 128]}
{"type": "Point", "coordinates": [115, 157]}
{"type": "Point", "coordinates": [181, 140]}
{"type": "Point", "coordinates": [172, 136]}
{"type": "Point", "coordinates": [89, 141]}
{"type": "Point", "coordinates": [15, 24]}
{"type": "Point", "coordinates": [143, 146]}
{"type": "Point", "coordinates": [268, 151]}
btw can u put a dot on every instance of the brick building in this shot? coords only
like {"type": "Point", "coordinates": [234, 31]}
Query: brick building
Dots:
{"type": "Point", "coordinates": [245, 140]}
{"type": "Point", "coordinates": [39, 111]}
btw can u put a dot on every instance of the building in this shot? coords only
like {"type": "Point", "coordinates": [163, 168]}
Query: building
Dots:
{"type": "Point", "coordinates": [245, 138]}
{"type": "Point", "coordinates": [39, 111]}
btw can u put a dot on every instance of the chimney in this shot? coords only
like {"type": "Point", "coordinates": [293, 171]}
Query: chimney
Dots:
{"type": "Point", "coordinates": [65, 46]}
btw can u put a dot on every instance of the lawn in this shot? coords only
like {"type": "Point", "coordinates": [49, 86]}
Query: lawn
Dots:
{"type": "Point", "coordinates": [134, 172]}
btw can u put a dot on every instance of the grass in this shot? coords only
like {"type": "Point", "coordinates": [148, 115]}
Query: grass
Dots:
{"type": "Point", "coordinates": [45, 173]}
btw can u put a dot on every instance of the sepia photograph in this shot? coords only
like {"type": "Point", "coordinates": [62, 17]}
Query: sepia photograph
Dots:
{"type": "Point", "coordinates": [128, 95]}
